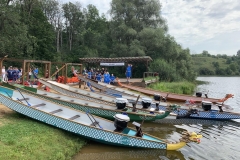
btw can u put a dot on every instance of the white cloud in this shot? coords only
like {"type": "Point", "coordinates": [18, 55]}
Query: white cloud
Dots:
{"type": "Point", "coordinates": [197, 23]}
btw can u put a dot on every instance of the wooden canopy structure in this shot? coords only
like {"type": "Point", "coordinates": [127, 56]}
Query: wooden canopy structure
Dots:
{"type": "Point", "coordinates": [64, 69]}
{"type": "Point", "coordinates": [144, 59]}
{"type": "Point", "coordinates": [26, 66]}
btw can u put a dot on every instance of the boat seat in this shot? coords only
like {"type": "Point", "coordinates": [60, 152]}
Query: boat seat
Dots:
{"type": "Point", "coordinates": [55, 111]}
{"type": "Point", "coordinates": [57, 97]}
{"type": "Point", "coordinates": [38, 105]}
{"type": "Point", "coordinates": [72, 100]}
{"type": "Point", "coordinates": [138, 128]}
{"type": "Point", "coordinates": [74, 117]}
{"type": "Point", "coordinates": [44, 94]}
{"type": "Point", "coordinates": [94, 123]}
{"type": "Point", "coordinates": [23, 99]}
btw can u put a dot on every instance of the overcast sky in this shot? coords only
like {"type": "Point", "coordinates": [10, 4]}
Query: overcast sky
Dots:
{"type": "Point", "coordinates": [212, 25]}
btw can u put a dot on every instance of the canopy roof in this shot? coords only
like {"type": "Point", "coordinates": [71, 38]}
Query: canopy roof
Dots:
{"type": "Point", "coordinates": [115, 60]}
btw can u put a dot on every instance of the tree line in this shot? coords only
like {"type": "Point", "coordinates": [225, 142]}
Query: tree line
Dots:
{"type": "Point", "coordinates": [48, 30]}
{"type": "Point", "coordinates": [220, 64]}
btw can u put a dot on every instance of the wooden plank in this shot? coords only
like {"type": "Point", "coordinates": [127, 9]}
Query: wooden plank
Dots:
{"type": "Point", "coordinates": [38, 105]}
{"type": "Point", "coordinates": [74, 117]}
{"type": "Point", "coordinates": [55, 111]}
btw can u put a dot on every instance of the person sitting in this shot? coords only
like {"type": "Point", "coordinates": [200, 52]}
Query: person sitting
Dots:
{"type": "Point", "coordinates": [112, 79]}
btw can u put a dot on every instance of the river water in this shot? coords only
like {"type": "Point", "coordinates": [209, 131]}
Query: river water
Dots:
{"type": "Point", "coordinates": [220, 138]}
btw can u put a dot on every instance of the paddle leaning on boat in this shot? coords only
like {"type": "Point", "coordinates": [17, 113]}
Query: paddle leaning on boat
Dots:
{"type": "Point", "coordinates": [87, 125]}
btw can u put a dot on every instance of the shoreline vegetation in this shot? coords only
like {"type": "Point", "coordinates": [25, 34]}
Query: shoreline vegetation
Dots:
{"type": "Point", "coordinates": [177, 87]}
{"type": "Point", "coordinates": [24, 138]}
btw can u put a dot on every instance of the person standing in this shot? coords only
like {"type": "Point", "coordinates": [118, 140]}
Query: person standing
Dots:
{"type": "Point", "coordinates": [30, 74]}
{"type": "Point", "coordinates": [129, 72]}
{"type": "Point", "coordinates": [112, 79]}
{"type": "Point", "coordinates": [3, 74]}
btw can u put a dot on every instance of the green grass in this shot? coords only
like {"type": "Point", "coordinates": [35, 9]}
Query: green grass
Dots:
{"type": "Point", "coordinates": [174, 87]}
{"type": "Point", "coordinates": [25, 138]}
{"type": "Point", "coordinates": [206, 62]}
{"type": "Point", "coordinates": [150, 78]}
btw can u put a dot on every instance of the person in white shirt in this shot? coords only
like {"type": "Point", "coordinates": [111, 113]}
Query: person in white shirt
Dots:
{"type": "Point", "coordinates": [3, 74]}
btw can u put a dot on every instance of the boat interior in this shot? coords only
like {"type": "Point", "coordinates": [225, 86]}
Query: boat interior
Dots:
{"type": "Point", "coordinates": [93, 94]}
{"type": "Point", "coordinates": [91, 103]}
{"type": "Point", "coordinates": [71, 114]}
{"type": "Point", "coordinates": [95, 104]}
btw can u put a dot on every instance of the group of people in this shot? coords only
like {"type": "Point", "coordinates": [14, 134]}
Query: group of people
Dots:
{"type": "Point", "coordinates": [11, 74]}
{"type": "Point", "coordinates": [101, 75]}
{"type": "Point", "coordinates": [15, 73]}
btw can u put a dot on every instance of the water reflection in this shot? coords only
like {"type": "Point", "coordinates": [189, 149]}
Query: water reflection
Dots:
{"type": "Point", "coordinates": [220, 138]}
{"type": "Point", "coordinates": [97, 151]}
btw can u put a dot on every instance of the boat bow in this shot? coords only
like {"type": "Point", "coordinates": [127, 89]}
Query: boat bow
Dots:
{"type": "Point", "coordinates": [187, 137]}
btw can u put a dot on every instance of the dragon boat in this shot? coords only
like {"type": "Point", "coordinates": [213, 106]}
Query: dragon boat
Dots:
{"type": "Point", "coordinates": [99, 109]}
{"type": "Point", "coordinates": [204, 111]}
{"type": "Point", "coordinates": [87, 125]}
{"type": "Point", "coordinates": [171, 96]}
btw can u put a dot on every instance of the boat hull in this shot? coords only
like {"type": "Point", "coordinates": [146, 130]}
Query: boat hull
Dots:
{"type": "Point", "coordinates": [208, 115]}
{"type": "Point", "coordinates": [93, 133]}
{"type": "Point", "coordinates": [101, 112]}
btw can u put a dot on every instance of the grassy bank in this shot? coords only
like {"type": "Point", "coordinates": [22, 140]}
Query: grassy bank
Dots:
{"type": "Point", "coordinates": [25, 138]}
{"type": "Point", "coordinates": [174, 87]}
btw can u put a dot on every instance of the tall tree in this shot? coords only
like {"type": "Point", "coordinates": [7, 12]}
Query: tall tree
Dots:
{"type": "Point", "coordinates": [74, 21]}
{"type": "Point", "coordinates": [14, 38]}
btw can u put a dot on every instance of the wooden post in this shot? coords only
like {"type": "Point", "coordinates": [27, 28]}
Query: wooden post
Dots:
{"type": "Point", "coordinates": [49, 69]}
{"type": "Point", "coordinates": [1, 62]}
{"type": "Point", "coordinates": [65, 80]}
{"type": "Point", "coordinates": [45, 70]}
{"type": "Point", "coordinates": [28, 68]}
{"type": "Point", "coordinates": [23, 71]}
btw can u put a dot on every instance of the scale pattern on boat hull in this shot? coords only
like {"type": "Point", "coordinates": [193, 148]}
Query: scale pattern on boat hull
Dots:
{"type": "Point", "coordinates": [86, 131]}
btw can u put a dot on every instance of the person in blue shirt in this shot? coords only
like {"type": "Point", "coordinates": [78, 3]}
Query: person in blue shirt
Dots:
{"type": "Point", "coordinates": [99, 77]}
{"type": "Point", "coordinates": [10, 73]}
{"type": "Point", "coordinates": [112, 79]}
{"type": "Point", "coordinates": [129, 72]}
{"type": "Point", "coordinates": [36, 71]}
{"type": "Point", "coordinates": [106, 78]}
{"type": "Point", "coordinates": [90, 74]}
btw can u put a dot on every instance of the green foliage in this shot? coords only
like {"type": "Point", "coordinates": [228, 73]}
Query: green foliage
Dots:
{"type": "Point", "coordinates": [52, 31]}
{"type": "Point", "coordinates": [24, 138]}
{"type": "Point", "coordinates": [216, 65]}
{"type": "Point", "coordinates": [175, 87]}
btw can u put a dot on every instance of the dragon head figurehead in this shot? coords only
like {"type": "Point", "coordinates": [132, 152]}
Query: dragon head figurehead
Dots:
{"type": "Point", "coordinates": [173, 107]}
{"type": "Point", "coordinates": [190, 137]}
